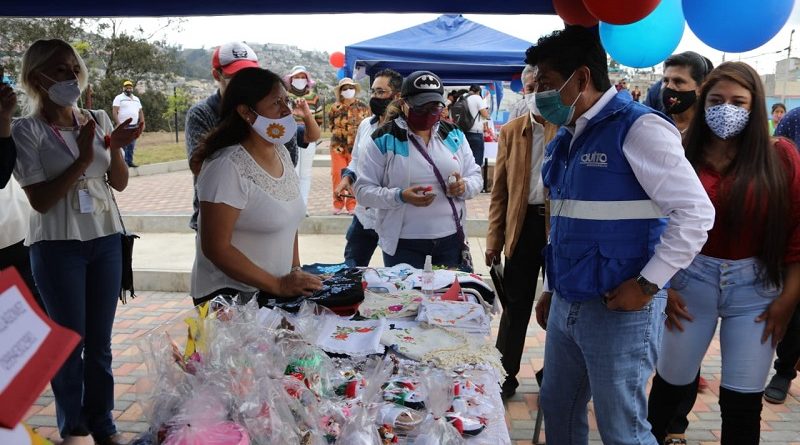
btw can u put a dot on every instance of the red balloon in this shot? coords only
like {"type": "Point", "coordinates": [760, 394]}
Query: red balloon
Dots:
{"type": "Point", "coordinates": [573, 12]}
{"type": "Point", "coordinates": [620, 12]}
{"type": "Point", "coordinates": [337, 59]}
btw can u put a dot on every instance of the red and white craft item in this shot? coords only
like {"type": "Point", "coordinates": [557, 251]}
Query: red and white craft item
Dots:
{"type": "Point", "coordinates": [32, 348]}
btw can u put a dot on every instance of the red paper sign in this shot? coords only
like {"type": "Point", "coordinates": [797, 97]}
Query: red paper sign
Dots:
{"type": "Point", "coordinates": [32, 348]}
{"type": "Point", "coordinates": [454, 293]}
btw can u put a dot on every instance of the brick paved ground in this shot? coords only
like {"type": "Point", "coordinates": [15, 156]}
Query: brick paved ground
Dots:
{"type": "Point", "coordinates": [171, 194]}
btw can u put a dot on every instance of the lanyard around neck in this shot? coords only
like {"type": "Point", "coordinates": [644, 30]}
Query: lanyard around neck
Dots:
{"type": "Point", "coordinates": [60, 137]}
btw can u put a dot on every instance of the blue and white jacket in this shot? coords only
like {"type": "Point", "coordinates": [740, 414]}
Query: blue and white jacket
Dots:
{"type": "Point", "coordinates": [384, 171]}
{"type": "Point", "coordinates": [604, 226]}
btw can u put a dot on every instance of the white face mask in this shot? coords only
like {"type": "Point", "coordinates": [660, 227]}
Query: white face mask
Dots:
{"type": "Point", "coordinates": [276, 131]}
{"type": "Point", "coordinates": [349, 94]}
{"type": "Point", "coordinates": [299, 83]}
{"type": "Point", "coordinates": [65, 93]}
{"type": "Point", "coordinates": [530, 101]}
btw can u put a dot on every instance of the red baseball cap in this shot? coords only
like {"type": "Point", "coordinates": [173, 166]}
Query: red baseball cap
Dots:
{"type": "Point", "coordinates": [233, 56]}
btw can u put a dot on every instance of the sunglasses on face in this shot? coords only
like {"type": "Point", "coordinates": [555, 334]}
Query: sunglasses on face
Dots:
{"type": "Point", "coordinates": [348, 88]}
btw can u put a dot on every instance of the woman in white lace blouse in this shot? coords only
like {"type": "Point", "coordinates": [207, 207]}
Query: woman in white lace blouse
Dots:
{"type": "Point", "coordinates": [250, 203]}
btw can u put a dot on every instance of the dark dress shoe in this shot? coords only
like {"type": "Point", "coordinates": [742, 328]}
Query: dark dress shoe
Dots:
{"type": "Point", "coordinates": [777, 389]}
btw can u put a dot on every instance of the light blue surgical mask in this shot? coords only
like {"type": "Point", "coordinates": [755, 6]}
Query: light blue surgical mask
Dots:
{"type": "Point", "coordinates": [552, 109]}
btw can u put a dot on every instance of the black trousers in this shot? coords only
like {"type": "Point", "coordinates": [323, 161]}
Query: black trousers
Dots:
{"type": "Point", "coordinates": [788, 351]}
{"type": "Point", "coordinates": [17, 255]}
{"type": "Point", "coordinates": [521, 273]}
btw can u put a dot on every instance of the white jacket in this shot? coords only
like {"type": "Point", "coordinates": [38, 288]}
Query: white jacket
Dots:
{"type": "Point", "coordinates": [384, 172]}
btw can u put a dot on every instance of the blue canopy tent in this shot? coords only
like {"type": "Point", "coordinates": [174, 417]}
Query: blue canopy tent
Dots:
{"type": "Point", "coordinates": [458, 50]}
{"type": "Point", "coordinates": [155, 8]}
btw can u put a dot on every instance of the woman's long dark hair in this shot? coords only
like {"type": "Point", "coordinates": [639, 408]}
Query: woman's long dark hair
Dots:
{"type": "Point", "coordinates": [757, 169]}
{"type": "Point", "coordinates": [247, 87]}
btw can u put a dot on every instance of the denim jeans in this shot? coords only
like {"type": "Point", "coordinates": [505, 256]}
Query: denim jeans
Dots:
{"type": "Point", "coordinates": [361, 244]}
{"type": "Point", "coordinates": [79, 282]}
{"type": "Point", "coordinates": [477, 144]}
{"type": "Point", "coordinates": [443, 251]}
{"type": "Point", "coordinates": [129, 152]}
{"type": "Point", "coordinates": [607, 355]}
{"type": "Point", "coordinates": [715, 289]}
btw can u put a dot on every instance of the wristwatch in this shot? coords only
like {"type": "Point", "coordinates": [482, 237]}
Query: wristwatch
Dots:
{"type": "Point", "coordinates": [648, 288]}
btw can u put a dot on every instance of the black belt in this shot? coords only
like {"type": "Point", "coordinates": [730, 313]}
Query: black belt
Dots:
{"type": "Point", "coordinates": [537, 209]}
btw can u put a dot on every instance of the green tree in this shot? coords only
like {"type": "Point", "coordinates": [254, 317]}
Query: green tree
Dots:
{"type": "Point", "coordinates": [179, 102]}
{"type": "Point", "coordinates": [111, 54]}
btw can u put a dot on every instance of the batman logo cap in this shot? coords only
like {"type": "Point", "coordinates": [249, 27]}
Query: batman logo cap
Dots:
{"type": "Point", "coordinates": [422, 87]}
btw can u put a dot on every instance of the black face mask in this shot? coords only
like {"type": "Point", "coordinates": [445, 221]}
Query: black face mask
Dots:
{"type": "Point", "coordinates": [378, 106]}
{"type": "Point", "coordinates": [128, 92]}
{"type": "Point", "coordinates": [676, 102]}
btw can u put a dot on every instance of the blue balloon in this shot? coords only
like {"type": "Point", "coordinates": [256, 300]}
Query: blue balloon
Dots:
{"type": "Point", "coordinates": [516, 85]}
{"type": "Point", "coordinates": [736, 26]}
{"type": "Point", "coordinates": [341, 73]}
{"type": "Point", "coordinates": [650, 40]}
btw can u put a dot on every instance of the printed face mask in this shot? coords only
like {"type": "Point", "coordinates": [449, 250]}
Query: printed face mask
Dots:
{"type": "Point", "coordinates": [676, 102]}
{"type": "Point", "coordinates": [349, 94]}
{"type": "Point", "coordinates": [552, 108]}
{"type": "Point", "coordinates": [299, 83]}
{"type": "Point", "coordinates": [727, 120]}
{"type": "Point", "coordinates": [276, 131]}
{"type": "Point", "coordinates": [65, 93]}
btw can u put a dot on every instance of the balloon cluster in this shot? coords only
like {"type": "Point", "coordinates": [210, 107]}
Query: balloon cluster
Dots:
{"type": "Point", "coordinates": [336, 60]}
{"type": "Point", "coordinates": [642, 33]}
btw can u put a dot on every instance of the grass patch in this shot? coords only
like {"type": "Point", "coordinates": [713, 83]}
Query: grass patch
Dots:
{"type": "Point", "coordinates": [156, 147]}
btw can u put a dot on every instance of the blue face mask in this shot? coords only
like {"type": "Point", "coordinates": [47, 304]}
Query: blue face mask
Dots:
{"type": "Point", "coordinates": [552, 109]}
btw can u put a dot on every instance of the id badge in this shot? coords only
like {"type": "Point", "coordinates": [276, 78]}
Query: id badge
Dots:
{"type": "Point", "coordinates": [85, 201]}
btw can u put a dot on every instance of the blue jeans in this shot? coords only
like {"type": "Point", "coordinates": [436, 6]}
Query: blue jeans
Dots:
{"type": "Point", "coordinates": [715, 289]}
{"type": "Point", "coordinates": [594, 352]}
{"type": "Point", "coordinates": [444, 252]}
{"type": "Point", "coordinates": [80, 282]}
{"type": "Point", "coordinates": [129, 152]}
{"type": "Point", "coordinates": [477, 144]}
{"type": "Point", "coordinates": [361, 244]}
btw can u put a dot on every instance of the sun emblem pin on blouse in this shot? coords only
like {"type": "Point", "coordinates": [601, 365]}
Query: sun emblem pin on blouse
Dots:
{"type": "Point", "coordinates": [275, 131]}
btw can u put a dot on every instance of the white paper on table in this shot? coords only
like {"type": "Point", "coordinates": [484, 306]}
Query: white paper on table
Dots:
{"type": "Point", "coordinates": [22, 332]}
{"type": "Point", "coordinates": [17, 436]}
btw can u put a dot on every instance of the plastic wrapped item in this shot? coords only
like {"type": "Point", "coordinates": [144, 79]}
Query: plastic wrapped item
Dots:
{"type": "Point", "coordinates": [361, 429]}
{"type": "Point", "coordinates": [221, 433]}
{"type": "Point", "coordinates": [436, 430]}
{"type": "Point", "coordinates": [203, 420]}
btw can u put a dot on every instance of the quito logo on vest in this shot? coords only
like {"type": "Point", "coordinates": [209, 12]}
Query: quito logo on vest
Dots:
{"type": "Point", "coordinates": [595, 159]}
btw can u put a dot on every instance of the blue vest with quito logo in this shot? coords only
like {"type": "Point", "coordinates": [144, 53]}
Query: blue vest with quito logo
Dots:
{"type": "Point", "coordinates": [604, 227]}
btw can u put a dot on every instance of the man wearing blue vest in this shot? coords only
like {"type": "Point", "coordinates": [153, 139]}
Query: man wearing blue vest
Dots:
{"type": "Point", "coordinates": [627, 212]}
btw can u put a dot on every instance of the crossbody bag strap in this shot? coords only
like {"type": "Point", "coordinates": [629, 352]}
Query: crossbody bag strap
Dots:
{"type": "Point", "coordinates": [440, 179]}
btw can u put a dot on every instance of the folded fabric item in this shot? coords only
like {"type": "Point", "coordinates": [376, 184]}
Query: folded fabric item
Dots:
{"type": "Point", "coordinates": [390, 278]}
{"type": "Point", "coordinates": [342, 293]}
{"type": "Point", "coordinates": [469, 317]}
{"type": "Point", "coordinates": [444, 348]}
{"type": "Point", "coordinates": [397, 304]}
{"type": "Point", "coordinates": [356, 338]}
{"type": "Point", "coordinates": [324, 269]}
{"type": "Point", "coordinates": [421, 343]}
{"type": "Point", "coordinates": [444, 278]}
